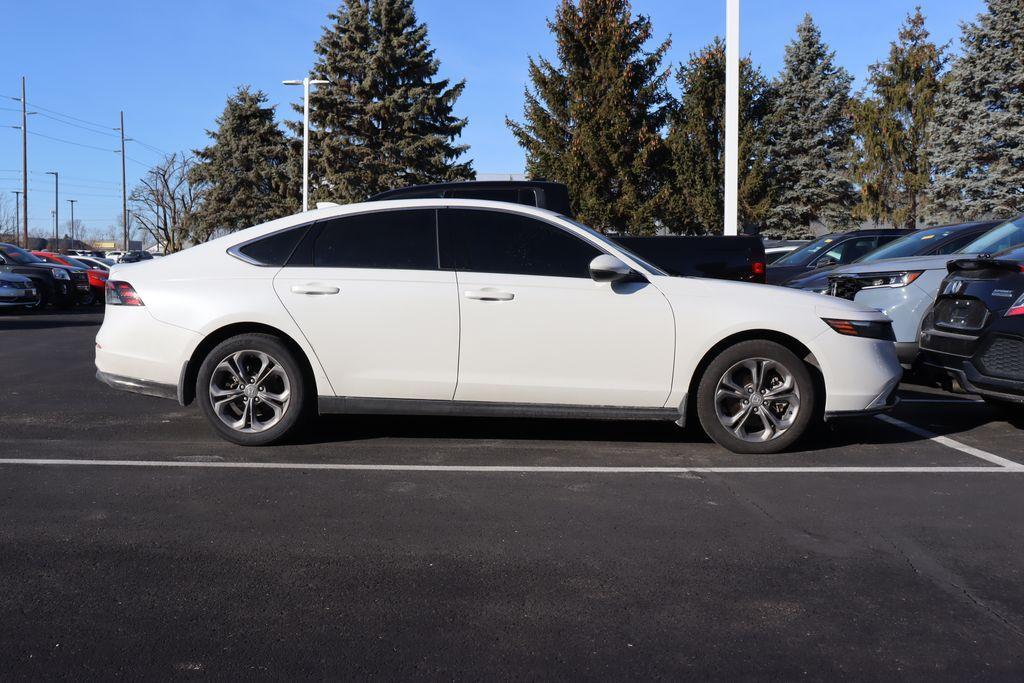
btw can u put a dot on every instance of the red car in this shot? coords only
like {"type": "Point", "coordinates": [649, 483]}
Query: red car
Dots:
{"type": "Point", "coordinates": [97, 276]}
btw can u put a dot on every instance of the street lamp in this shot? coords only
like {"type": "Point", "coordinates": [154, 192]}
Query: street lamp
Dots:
{"type": "Point", "coordinates": [305, 83]}
{"type": "Point", "coordinates": [72, 203]}
{"type": "Point", "coordinates": [56, 207]}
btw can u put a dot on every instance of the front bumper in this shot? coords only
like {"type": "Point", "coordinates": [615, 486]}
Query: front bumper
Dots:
{"type": "Point", "coordinates": [17, 297]}
{"type": "Point", "coordinates": [883, 403]}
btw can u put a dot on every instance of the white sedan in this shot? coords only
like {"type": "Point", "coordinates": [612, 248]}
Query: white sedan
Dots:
{"type": "Point", "coordinates": [471, 307]}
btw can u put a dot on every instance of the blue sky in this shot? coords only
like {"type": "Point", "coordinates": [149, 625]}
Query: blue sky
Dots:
{"type": "Point", "coordinates": [170, 66]}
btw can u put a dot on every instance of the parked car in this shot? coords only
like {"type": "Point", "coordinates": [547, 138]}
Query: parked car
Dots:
{"type": "Point", "coordinates": [776, 249]}
{"type": "Point", "coordinates": [830, 250]}
{"type": "Point", "coordinates": [96, 262]}
{"type": "Point", "coordinates": [470, 307]}
{"type": "Point", "coordinates": [975, 331]}
{"type": "Point", "coordinates": [713, 256]}
{"type": "Point", "coordinates": [55, 284]}
{"type": "Point", "coordinates": [739, 257]}
{"type": "Point", "coordinates": [114, 255]}
{"type": "Point", "coordinates": [905, 289]}
{"type": "Point", "coordinates": [135, 257]}
{"type": "Point", "coordinates": [97, 276]}
{"type": "Point", "coordinates": [946, 239]}
{"type": "Point", "coordinates": [17, 291]}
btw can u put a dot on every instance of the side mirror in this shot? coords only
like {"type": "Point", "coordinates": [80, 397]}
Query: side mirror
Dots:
{"type": "Point", "coordinates": [607, 268]}
{"type": "Point", "coordinates": [826, 261]}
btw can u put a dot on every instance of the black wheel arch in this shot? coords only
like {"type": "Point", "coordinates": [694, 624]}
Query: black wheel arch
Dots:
{"type": "Point", "coordinates": [190, 372]}
{"type": "Point", "coordinates": [791, 343]}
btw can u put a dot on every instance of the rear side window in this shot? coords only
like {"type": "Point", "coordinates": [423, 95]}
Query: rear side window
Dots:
{"type": "Point", "coordinates": [957, 243]}
{"type": "Point", "coordinates": [401, 240]}
{"type": "Point", "coordinates": [500, 242]}
{"type": "Point", "coordinates": [274, 249]}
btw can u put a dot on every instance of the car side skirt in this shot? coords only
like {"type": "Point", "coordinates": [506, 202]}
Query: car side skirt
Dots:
{"type": "Point", "coordinates": [404, 406]}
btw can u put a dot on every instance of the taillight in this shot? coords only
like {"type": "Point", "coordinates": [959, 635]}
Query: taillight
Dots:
{"type": "Point", "coordinates": [119, 293]}
{"type": "Point", "coordinates": [1018, 306]}
{"type": "Point", "coordinates": [757, 269]}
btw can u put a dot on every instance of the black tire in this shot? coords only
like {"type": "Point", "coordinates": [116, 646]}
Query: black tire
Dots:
{"type": "Point", "coordinates": [40, 304]}
{"type": "Point", "coordinates": [1004, 406]}
{"type": "Point", "coordinates": [729, 358]}
{"type": "Point", "coordinates": [297, 404]}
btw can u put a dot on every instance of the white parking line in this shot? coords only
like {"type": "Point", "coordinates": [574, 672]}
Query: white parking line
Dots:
{"type": "Point", "coordinates": [941, 400]}
{"type": "Point", "coordinates": [950, 443]}
{"type": "Point", "coordinates": [526, 469]}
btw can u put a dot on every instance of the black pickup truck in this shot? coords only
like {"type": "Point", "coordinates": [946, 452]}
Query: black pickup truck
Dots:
{"type": "Point", "coordinates": [713, 256]}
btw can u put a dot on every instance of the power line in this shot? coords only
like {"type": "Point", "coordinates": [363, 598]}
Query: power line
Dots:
{"type": "Point", "coordinates": [70, 142]}
{"type": "Point", "coordinates": [77, 125]}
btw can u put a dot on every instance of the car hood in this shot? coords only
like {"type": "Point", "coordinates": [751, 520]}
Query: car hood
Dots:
{"type": "Point", "coordinates": [760, 298]}
{"type": "Point", "coordinates": [934, 262]}
{"type": "Point", "coordinates": [814, 279]}
{"type": "Point", "coordinates": [15, 279]}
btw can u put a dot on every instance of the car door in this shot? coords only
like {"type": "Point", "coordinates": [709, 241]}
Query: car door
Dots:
{"type": "Point", "coordinates": [537, 329]}
{"type": "Point", "coordinates": [367, 293]}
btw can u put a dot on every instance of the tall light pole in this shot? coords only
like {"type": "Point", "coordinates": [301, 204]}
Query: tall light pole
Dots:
{"type": "Point", "coordinates": [72, 203]}
{"type": "Point", "coordinates": [305, 83]}
{"type": "Point", "coordinates": [732, 116]}
{"type": "Point", "coordinates": [56, 207]}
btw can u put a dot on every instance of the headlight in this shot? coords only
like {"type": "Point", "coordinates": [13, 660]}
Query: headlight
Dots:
{"type": "Point", "coordinates": [868, 329]}
{"type": "Point", "coordinates": [61, 274]}
{"type": "Point", "coordinates": [900, 279]}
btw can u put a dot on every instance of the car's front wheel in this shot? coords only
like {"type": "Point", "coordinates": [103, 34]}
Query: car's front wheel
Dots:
{"type": "Point", "coordinates": [251, 389]}
{"type": "Point", "coordinates": [756, 397]}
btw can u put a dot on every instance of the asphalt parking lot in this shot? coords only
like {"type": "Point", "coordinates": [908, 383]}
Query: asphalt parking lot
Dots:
{"type": "Point", "coordinates": [470, 548]}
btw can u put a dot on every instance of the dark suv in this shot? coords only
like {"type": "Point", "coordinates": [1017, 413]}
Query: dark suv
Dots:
{"type": "Point", "coordinates": [834, 249]}
{"type": "Point", "coordinates": [62, 286]}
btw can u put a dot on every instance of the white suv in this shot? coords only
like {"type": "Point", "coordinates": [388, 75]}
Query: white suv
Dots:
{"type": "Point", "coordinates": [471, 307]}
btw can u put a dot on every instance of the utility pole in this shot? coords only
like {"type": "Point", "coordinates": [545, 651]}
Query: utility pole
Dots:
{"type": "Point", "coordinates": [305, 83]}
{"type": "Point", "coordinates": [124, 188]}
{"type": "Point", "coordinates": [56, 207]}
{"type": "Point", "coordinates": [732, 116]}
{"type": "Point", "coordinates": [17, 214]}
{"type": "Point", "coordinates": [72, 203]}
{"type": "Point", "coordinates": [24, 162]}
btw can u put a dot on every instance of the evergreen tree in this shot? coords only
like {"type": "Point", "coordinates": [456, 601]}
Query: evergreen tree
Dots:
{"type": "Point", "coordinates": [809, 141]}
{"type": "Point", "coordinates": [977, 139]}
{"type": "Point", "coordinates": [890, 122]}
{"type": "Point", "coordinates": [384, 120]}
{"type": "Point", "coordinates": [244, 173]}
{"type": "Point", "coordinates": [697, 142]}
{"type": "Point", "coordinates": [594, 120]}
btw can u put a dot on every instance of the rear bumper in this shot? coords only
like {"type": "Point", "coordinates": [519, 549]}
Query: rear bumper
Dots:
{"type": "Point", "coordinates": [971, 379]}
{"type": "Point", "coordinates": [139, 386]}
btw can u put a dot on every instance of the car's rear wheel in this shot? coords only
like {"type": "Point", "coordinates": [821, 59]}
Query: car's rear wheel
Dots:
{"type": "Point", "coordinates": [756, 397]}
{"type": "Point", "coordinates": [251, 389]}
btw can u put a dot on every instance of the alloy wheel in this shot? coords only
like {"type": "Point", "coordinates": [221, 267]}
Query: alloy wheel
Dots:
{"type": "Point", "coordinates": [757, 399]}
{"type": "Point", "coordinates": [250, 391]}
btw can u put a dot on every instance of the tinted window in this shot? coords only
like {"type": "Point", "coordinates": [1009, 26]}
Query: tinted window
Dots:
{"type": "Point", "coordinates": [514, 196]}
{"type": "Point", "coordinates": [404, 240]}
{"type": "Point", "coordinates": [849, 250]}
{"type": "Point", "coordinates": [275, 249]}
{"type": "Point", "coordinates": [957, 243]}
{"type": "Point", "coordinates": [500, 242]}
{"type": "Point", "coordinates": [806, 253]}
{"type": "Point", "coordinates": [1006, 235]}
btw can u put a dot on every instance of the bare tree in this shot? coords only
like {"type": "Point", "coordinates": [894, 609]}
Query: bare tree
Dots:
{"type": "Point", "coordinates": [165, 201]}
{"type": "Point", "coordinates": [8, 219]}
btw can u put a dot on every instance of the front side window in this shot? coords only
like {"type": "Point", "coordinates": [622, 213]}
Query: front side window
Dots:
{"type": "Point", "coordinates": [482, 241]}
{"type": "Point", "coordinates": [847, 251]}
{"type": "Point", "coordinates": [400, 240]}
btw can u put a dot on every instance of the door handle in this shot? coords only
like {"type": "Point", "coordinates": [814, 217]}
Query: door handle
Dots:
{"type": "Point", "coordinates": [313, 288]}
{"type": "Point", "coordinates": [489, 294]}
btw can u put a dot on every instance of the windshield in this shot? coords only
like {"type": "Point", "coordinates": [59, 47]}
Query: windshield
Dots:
{"type": "Point", "coordinates": [654, 270]}
{"type": "Point", "coordinates": [76, 263]}
{"type": "Point", "coordinates": [805, 253]}
{"type": "Point", "coordinates": [999, 238]}
{"type": "Point", "coordinates": [914, 244]}
{"type": "Point", "coordinates": [17, 255]}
